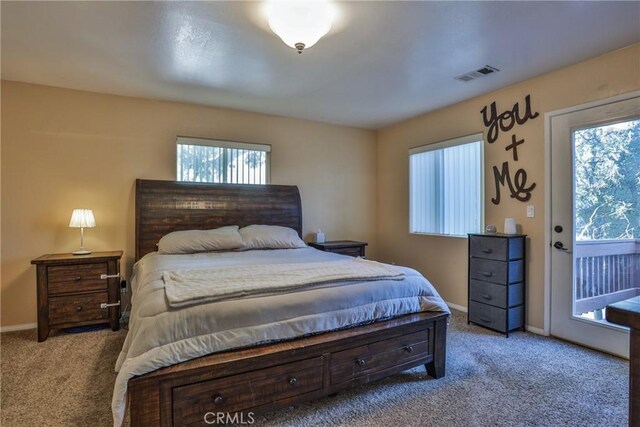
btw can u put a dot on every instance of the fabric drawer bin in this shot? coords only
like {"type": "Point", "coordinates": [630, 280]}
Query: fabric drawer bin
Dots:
{"type": "Point", "coordinates": [496, 271]}
{"type": "Point", "coordinates": [496, 248]}
{"type": "Point", "coordinates": [489, 248]}
{"type": "Point", "coordinates": [494, 317]}
{"type": "Point", "coordinates": [496, 295]}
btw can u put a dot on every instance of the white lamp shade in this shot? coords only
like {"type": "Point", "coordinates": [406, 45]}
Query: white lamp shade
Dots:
{"type": "Point", "coordinates": [300, 21]}
{"type": "Point", "coordinates": [82, 218]}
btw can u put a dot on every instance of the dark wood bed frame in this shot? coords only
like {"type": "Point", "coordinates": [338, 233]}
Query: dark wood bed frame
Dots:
{"type": "Point", "coordinates": [263, 378]}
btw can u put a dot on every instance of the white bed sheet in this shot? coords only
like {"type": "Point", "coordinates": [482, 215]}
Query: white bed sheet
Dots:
{"type": "Point", "coordinates": [162, 336]}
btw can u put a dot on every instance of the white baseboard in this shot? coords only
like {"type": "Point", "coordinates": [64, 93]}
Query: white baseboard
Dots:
{"type": "Point", "coordinates": [22, 327]}
{"type": "Point", "coordinates": [535, 330]}
{"type": "Point", "coordinates": [457, 307]}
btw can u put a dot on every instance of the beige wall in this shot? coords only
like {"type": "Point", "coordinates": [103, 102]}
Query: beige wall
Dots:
{"type": "Point", "coordinates": [63, 149]}
{"type": "Point", "coordinates": [444, 259]}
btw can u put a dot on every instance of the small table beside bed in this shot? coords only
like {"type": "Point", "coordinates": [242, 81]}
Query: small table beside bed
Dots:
{"type": "Point", "coordinates": [198, 346]}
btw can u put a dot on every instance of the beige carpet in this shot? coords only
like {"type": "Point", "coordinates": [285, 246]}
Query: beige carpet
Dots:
{"type": "Point", "coordinates": [66, 380]}
{"type": "Point", "coordinates": [525, 380]}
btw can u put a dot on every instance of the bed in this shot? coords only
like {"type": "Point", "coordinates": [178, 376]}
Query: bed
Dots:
{"type": "Point", "coordinates": [180, 365]}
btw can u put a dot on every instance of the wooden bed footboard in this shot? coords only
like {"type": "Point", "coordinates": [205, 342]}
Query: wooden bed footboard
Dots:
{"type": "Point", "coordinates": [245, 382]}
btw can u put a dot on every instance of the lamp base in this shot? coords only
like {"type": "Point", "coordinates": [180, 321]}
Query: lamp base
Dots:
{"type": "Point", "coordinates": [82, 251]}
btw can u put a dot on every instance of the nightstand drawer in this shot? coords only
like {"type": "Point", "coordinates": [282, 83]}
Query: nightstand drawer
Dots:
{"type": "Point", "coordinates": [76, 278]}
{"type": "Point", "coordinates": [77, 308]}
{"type": "Point", "coordinates": [496, 295]}
{"type": "Point", "coordinates": [343, 247]}
{"type": "Point", "coordinates": [496, 271]}
{"type": "Point", "coordinates": [354, 252]}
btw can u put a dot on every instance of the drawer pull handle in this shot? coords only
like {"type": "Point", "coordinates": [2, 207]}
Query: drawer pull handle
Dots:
{"type": "Point", "coordinates": [408, 349]}
{"type": "Point", "coordinates": [109, 276]}
{"type": "Point", "coordinates": [79, 308]}
{"type": "Point", "coordinates": [487, 273]}
{"type": "Point", "coordinates": [360, 362]}
{"type": "Point", "coordinates": [106, 305]}
{"type": "Point", "coordinates": [77, 278]}
{"type": "Point", "coordinates": [487, 250]}
{"type": "Point", "coordinates": [484, 319]}
{"type": "Point", "coordinates": [293, 380]}
{"type": "Point", "coordinates": [218, 399]}
{"type": "Point", "coordinates": [486, 296]}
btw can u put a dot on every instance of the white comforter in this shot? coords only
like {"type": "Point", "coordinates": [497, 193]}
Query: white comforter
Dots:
{"type": "Point", "coordinates": [162, 336]}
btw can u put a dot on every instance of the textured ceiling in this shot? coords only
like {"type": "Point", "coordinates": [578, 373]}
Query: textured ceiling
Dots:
{"type": "Point", "coordinates": [381, 63]}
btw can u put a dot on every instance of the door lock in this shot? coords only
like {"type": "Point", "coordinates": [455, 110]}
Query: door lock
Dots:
{"type": "Point", "coordinates": [558, 229]}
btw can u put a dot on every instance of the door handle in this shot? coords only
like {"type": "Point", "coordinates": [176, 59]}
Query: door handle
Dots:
{"type": "Point", "coordinates": [558, 245]}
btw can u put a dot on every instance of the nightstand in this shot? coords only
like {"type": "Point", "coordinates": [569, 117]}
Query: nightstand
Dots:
{"type": "Point", "coordinates": [77, 290]}
{"type": "Point", "coordinates": [497, 279]}
{"type": "Point", "coordinates": [344, 247]}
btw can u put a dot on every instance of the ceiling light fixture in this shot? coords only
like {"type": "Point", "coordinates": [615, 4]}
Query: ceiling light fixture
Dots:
{"type": "Point", "coordinates": [300, 24]}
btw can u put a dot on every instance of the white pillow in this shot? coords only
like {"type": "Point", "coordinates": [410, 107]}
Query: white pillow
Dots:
{"type": "Point", "coordinates": [270, 237]}
{"type": "Point", "coordinates": [192, 241]}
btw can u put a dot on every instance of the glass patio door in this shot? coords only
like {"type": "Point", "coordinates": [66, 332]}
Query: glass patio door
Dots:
{"type": "Point", "coordinates": [595, 220]}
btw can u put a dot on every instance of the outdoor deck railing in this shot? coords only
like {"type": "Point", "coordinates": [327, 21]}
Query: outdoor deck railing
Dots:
{"type": "Point", "coordinates": [606, 271]}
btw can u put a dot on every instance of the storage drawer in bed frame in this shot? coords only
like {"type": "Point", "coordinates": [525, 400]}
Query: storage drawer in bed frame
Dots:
{"type": "Point", "coordinates": [265, 378]}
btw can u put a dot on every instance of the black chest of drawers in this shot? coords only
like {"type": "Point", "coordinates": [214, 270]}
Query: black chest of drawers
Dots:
{"type": "Point", "coordinates": [497, 279]}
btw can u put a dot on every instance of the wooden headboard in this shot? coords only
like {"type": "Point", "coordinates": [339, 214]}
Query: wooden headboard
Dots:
{"type": "Point", "coordinates": [166, 206]}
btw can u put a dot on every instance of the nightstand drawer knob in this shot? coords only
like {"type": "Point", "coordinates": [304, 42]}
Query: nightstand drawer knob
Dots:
{"type": "Point", "coordinates": [293, 380]}
{"type": "Point", "coordinates": [109, 276]}
{"type": "Point", "coordinates": [360, 362]}
{"type": "Point", "coordinates": [487, 273]}
{"type": "Point", "coordinates": [77, 278]}
{"type": "Point", "coordinates": [484, 319]}
{"type": "Point", "coordinates": [408, 349]}
{"type": "Point", "coordinates": [486, 296]}
{"type": "Point", "coordinates": [218, 400]}
{"type": "Point", "coordinates": [487, 250]}
{"type": "Point", "coordinates": [79, 308]}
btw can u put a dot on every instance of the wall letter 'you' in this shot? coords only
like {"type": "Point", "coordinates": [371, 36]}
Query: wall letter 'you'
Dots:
{"type": "Point", "coordinates": [505, 122]}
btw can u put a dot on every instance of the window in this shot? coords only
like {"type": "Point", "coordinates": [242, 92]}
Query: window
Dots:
{"type": "Point", "coordinates": [607, 167]}
{"type": "Point", "coordinates": [446, 187]}
{"type": "Point", "coordinates": [209, 160]}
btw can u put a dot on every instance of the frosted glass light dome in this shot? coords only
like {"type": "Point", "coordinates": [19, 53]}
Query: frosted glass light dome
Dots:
{"type": "Point", "coordinates": [300, 24]}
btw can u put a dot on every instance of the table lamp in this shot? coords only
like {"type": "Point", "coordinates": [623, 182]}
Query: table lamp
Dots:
{"type": "Point", "coordinates": [81, 218]}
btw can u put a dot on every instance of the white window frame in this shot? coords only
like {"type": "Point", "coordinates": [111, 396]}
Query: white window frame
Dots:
{"type": "Point", "coordinates": [186, 140]}
{"type": "Point", "coordinates": [477, 137]}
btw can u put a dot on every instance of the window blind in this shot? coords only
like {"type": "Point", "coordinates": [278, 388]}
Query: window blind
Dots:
{"type": "Point", "coordinates": [446, 187]}
{"type": "Point", "coordinates": [204, 160]}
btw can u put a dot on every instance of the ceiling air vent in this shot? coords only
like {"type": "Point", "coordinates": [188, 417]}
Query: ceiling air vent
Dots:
{"type": "Point", "coordinates": [480, 72]}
